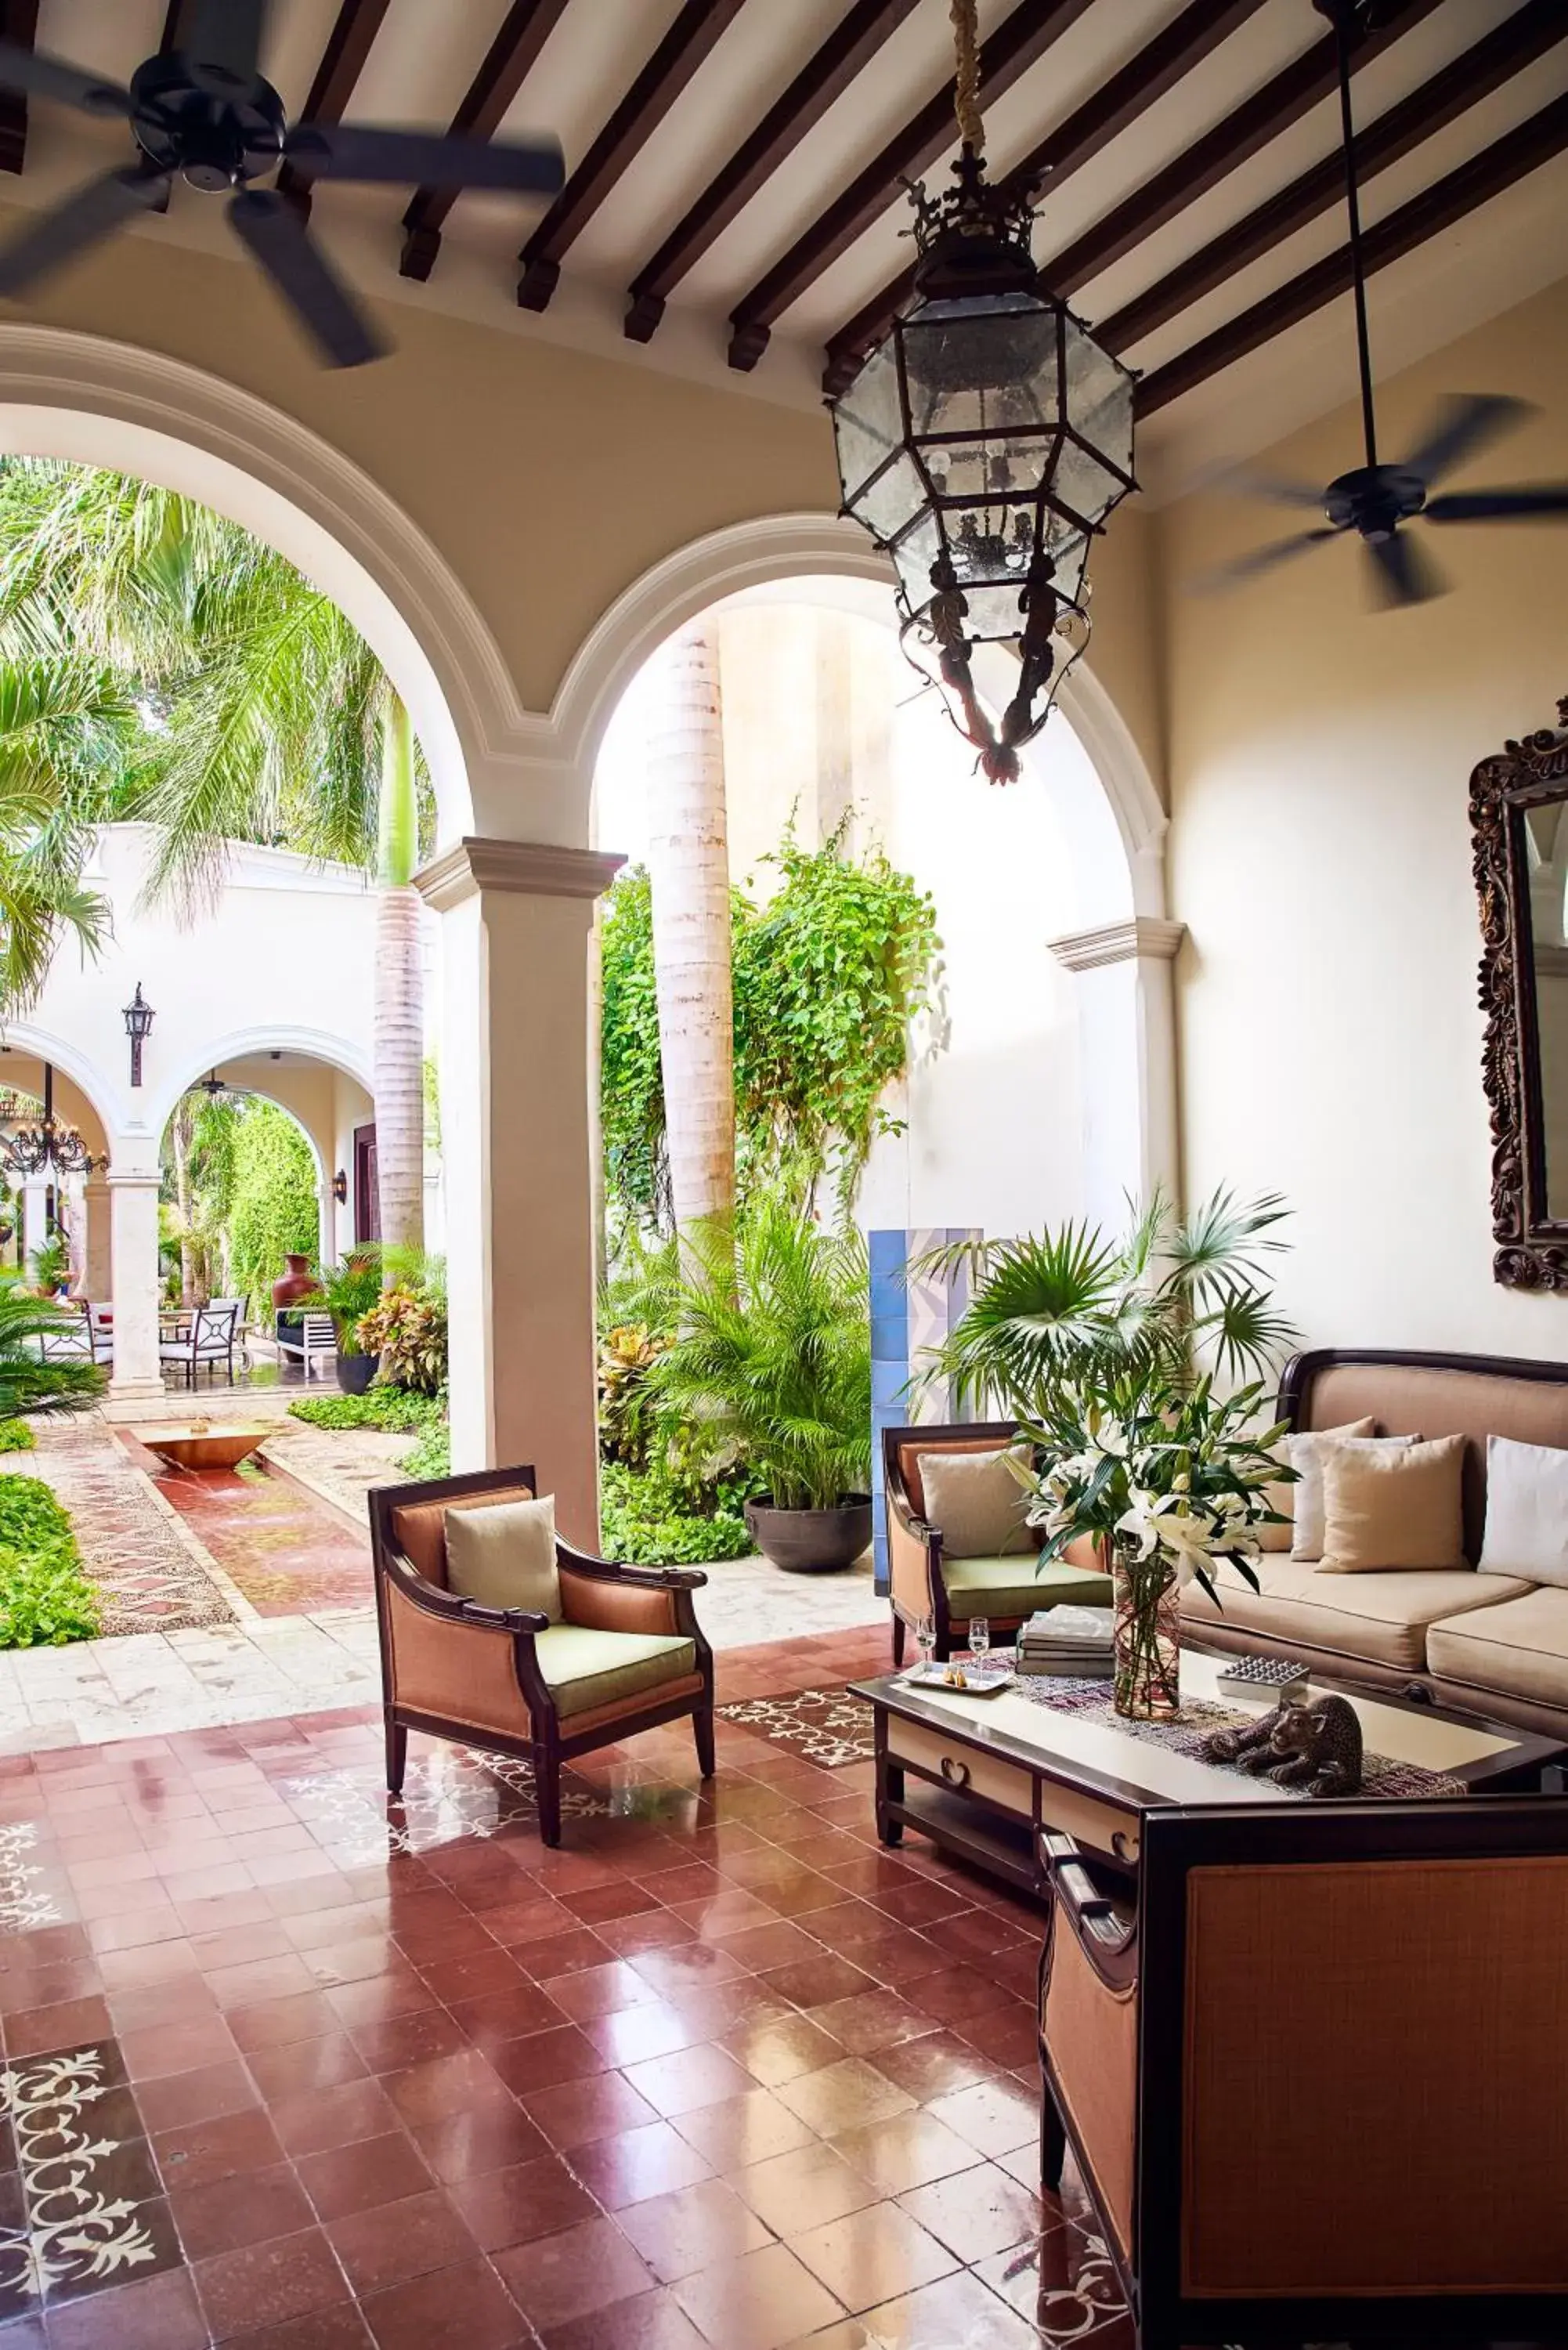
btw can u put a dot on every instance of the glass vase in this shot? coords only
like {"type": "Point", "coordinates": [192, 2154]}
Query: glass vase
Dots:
{"type": "Point", "coordinates": [1148, 1638]}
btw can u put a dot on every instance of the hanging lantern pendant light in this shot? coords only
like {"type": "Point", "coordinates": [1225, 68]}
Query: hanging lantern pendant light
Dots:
{"type": "Point", "coordinates": [983, 442]}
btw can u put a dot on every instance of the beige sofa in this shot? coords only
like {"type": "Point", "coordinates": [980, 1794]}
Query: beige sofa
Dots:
{"type": "Point", "coordinates": [1487, 1643]}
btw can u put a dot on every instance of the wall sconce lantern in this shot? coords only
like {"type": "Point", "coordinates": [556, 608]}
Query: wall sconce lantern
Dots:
{"type": "Point", "coordinates": [341, 1187]}
{"type": "Point", "coordinates": [139, 1019]}
{"type": "Point", "coordinates": [982, 442]}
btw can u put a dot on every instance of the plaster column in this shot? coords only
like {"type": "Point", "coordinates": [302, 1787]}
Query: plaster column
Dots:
{"type": "Point", "coordinates": [325, 1223]}
{"type": "Point", "coordinates": [34, 1216]}
{"type": "Point", "coordinates": [96, 1253]}
{"type": "Point", "coordinates": [136, 1386]}
{"type": "Point", "coordinates": [1126, 1061]}
{"type": "Point", "coordinates": [515, 923]}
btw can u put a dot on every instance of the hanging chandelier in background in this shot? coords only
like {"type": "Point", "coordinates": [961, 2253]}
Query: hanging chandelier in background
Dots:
{"type": "Point", "coordinates": [34, 1150]}
{"type": "Point", "coordinates": [982, 444]}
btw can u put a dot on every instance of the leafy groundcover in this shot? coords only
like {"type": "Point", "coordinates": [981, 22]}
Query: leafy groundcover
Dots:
{"type": "Point", "coordinates": [45, 1598]}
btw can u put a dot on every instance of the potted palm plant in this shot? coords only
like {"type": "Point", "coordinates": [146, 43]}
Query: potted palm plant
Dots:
{"type": "Point", "coordinates": [348, 1292]}
{"type": "Point", "coordinates": [772, 1363]}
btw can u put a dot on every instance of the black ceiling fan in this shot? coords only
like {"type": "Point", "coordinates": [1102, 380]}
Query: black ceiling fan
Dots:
{"type": "Point", "coordinates": [205, 111]}
{"type": "Point", "coordinates": [1376, 499]}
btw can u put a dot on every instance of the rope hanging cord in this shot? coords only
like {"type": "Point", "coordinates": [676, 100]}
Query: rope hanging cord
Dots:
{"type": "Point", "coordinates": [966, 80]}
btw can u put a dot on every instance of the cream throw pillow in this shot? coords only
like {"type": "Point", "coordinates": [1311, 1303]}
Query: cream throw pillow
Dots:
{"type": "Point", "coordinates": [1286, 1499]}
{"type": "Point", "coordinates": [504, 1556]}
{"type": "Point", "coordinates": [977, 1503]}
{"type": "Point", "coordinates": [1526, 1510]}
{"type": "Point", "coordinates": [1384, 1506]}
{"type": "Point", "coordinates": [1306, 1454]}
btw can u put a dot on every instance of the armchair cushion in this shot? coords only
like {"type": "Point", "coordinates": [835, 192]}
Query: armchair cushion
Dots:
{"type": "Point", "coordinates": [1006, 1587]}
{"type": "Point", "coordinates": [977, 1502]}
{"type": "Point", "coordinates": [505, 1556]}
{"type": "Point", "coordinates": [606, 1603]}
{"type": "Point", "coordinates": [585, 1670]}
{"type": "Point", "coordinates": [419, 1528]}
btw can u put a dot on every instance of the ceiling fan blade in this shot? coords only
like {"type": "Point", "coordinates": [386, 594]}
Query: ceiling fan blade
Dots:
{"type": "Point", "coordinates": [1256, 482]}
{"type": "Point", "coordinates": [1401, 574]}
{"type": "Point", "coordinates": [353, 150]}
{"type": "Point", "coordinates": [1498, 506]}
{"type": "Point", "coordinates": [84, 219]}
{"type": "Point", "coordinates": [1262, 560]}
{"type": "Point", "coordinates": [43, 76]}
{"type": "Point", "coordinates": [220, 41]}
{"type": "Point", "coordinates": [1464, 425]}
{"type": "Point", "coordinates": [280, 241]}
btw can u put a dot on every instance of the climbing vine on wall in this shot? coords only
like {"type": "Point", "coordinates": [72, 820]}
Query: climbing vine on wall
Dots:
{"type": "Point", "coordinates": [827, 976]}
{"type": "Point", "coordinates": [272, 1201]}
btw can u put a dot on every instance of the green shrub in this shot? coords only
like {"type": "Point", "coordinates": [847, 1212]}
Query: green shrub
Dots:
{"type": "Point", "coordinates": [272, 1211]}
{"type": "Point", "coordinates": [392, 1409]}
{"type": "Point", "coordinates": [649, 1519]}
{"type": "Point", "coordinates": [45, 1599]}
{"type": "Point", "coordinates": [432, 1456]}
{"type": "Point", "coordinates": [15, 1436]}
{"type": "Point", "coordinates": [407, 1327]}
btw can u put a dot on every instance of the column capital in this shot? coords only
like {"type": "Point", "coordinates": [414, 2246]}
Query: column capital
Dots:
{"type": "Point", "coordinates": [1141, 935]}
{"type": "Point", "coordinates": [133, 1179]}
{"type": "Point", "coordinates": [530, 868]}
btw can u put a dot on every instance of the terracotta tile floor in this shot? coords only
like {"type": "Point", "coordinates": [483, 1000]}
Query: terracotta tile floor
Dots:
{"type": "Point", "coordinates": [717, 2074]}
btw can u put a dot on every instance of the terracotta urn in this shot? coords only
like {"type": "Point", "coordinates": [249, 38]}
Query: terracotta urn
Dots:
{"type": "Point", "coordinates": [298, 1281]}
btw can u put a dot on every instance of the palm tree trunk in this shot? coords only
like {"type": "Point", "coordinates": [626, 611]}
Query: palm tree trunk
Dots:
{"type": "Point", "coordinates": [689, 868]}
{"type": "Point", "coordinates": [179, 1140]}
{"type": "Point", "coordinates": [398, 1012]}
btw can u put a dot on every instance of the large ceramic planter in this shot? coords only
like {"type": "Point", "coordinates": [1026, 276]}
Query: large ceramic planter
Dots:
{"type": "Point", "coordinates": [356, 1372]}
{"type": "Point", "coordinates": [812, 1542]}
{"type": "Point", "coordinates": [296, 1282]}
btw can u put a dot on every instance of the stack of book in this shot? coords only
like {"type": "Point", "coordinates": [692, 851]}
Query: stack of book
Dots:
{"type": "Point", "coordinates": [1072, 1643]}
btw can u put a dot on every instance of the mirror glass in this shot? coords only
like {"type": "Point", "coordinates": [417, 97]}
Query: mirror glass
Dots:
{"type": "Point", "coordinates": [1546, 856]}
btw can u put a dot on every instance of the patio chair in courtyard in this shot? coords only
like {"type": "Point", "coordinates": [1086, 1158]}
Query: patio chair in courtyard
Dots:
{"type": "Point", "coordinates": [613, 1649]}
{"type": "Point", "coordinates": [209, 1342]}
{"type": "Point", "coordinates": [313, 1341]}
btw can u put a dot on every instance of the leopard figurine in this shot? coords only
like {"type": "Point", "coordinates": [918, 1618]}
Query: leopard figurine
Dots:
{"type": "Point", "coordinates": [1315, 1746]}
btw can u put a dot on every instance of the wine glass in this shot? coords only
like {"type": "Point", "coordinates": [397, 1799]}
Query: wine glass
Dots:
{"type": "Point", "coordinates": [926, 1640]}
{"type": "Point", "coordinates": [979, 1638]}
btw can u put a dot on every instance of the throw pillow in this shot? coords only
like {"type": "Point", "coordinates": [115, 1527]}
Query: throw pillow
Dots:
{"type": "Point", "coordinates": [505, 1556]}
{"type": "Point", "coordinates": [977, 1502]}
{"type": "Point", "coordinates": [1526, 1510]}
{"type": "Point", "coordinates": [1393, 1506]}
{"type": "Point", "coordinates": [1306, 1454]}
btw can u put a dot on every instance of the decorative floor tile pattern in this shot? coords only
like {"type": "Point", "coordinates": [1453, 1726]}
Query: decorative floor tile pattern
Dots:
{"type": "Point", "coordinates": [693, 2081]}
{"type": "Point", "coordinates": [825, 1725]}
{"type": "Point", "coordinates": [87, 2208]}
{"type": "Point", "coordinates": [148, 1579]}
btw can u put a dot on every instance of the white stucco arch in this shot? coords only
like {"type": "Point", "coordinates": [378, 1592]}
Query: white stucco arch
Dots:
{"type": "Point", "coordinates": [105, 1092]}
{"type": "Point", "coordinates": [245, 1044]}
{"type": "Point", "coordinates": [97, 402]}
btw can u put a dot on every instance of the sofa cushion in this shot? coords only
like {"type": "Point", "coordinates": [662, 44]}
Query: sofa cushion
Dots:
{"type": "Point", "coordinates": [976, 1502]}
{"type": "Point", "coordinates": [586, 1669]}
{"type": "Point", "coordinates": [1306, 1454]}
{"type": "Point", "coordinates": [1526, 1510]}
{"type": "Point", "coordinates": [1520, 1648]}
{"type": "Point", "coordinates": [505, 1556]}
{"type": "Point", "coordinates": [1394, 1507]}
{"type": "Point", "coordinates": [1005, 1587]}
{"type": "Point", "coordinates": [1381, 1617]}
{"type": "Point", "coordinates": [1282, 1497]}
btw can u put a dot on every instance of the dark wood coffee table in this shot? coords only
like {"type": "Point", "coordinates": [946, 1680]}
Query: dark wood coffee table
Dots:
{"type": "Point", "coordinates": [981, 1775]}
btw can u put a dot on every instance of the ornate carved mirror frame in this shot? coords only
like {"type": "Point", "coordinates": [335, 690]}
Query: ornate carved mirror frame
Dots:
{"type": "Point", "coordinates": [1532, 1247]}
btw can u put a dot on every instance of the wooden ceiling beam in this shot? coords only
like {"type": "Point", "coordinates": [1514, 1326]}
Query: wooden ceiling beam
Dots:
{"type": "Point", "coordinates": [527, 26]}
{"type": "Point", "coordinates": [342, 63]}
{"type": "Point", "coordinates": [1506, 50]}
{"type": "Point", "coordinates": [849, 49]}
{"type": "Point", "coordinates": [1269, 112]}
{"type": "Point", "coordinates": [690, 39]}
{"type": "Point", "coordinates": [1157, 68]}
{"type": "Point", "coordinates": [1512, 157]}
{"type": "Point", "coordinates": [18, 24]}
{"type": "Point", "coordinates": [1017, 44]}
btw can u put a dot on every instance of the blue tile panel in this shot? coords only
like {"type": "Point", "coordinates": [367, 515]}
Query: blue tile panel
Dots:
{"type": "Point", "coordinates": [910, 1314]}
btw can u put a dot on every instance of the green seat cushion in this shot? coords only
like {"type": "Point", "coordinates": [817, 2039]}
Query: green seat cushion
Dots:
{"type": "Point", "coordinates": [1005, 1587]}
{"type": "Point", "coordinates": [586, 1668]}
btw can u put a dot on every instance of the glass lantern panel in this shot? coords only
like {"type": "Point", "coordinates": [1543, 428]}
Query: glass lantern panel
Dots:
{"type": "Point", "coordinates": [980, 361]}
{"type": "Point", "coordinates": [1099, 395]}
{"type": "Point", "coordinates": [1084, 485]}
{"type": "Point", "coordinates": [913, 555]}
{"type": "Point", "coordinates": [867, 421]}
{"type": "Point", "coordinates": [998, 465]}
{"type": "Point", "coordinates": [993, 612]}
{"type": "Point", "coordinates": [995, 542]}
{"type": "Point", "coordinates": [893, 498]}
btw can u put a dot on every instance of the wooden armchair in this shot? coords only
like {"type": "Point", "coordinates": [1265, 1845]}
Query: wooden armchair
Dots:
{"type": "Point", "coordinates": [1314, 2072]}
{"type": "Point", "coordinates": [926, 1579]}
{"type": "Point", "coordinates": [628, 1653]}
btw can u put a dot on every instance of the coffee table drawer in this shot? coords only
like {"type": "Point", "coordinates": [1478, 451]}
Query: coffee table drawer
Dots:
{"type": "Point", "coordinates": [1103, 1827]}
{"type": "Point", "coordinates": [965, 1769]}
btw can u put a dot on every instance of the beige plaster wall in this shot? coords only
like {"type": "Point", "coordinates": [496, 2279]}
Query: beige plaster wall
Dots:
{"type": "Point", "coordinates": [1320, 759]}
